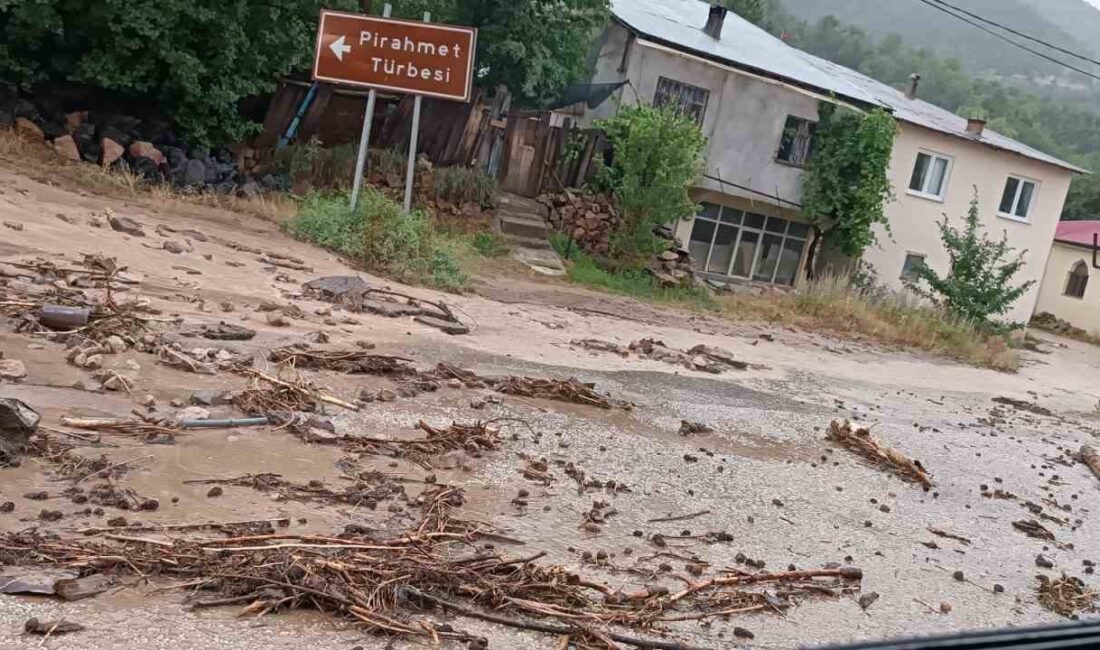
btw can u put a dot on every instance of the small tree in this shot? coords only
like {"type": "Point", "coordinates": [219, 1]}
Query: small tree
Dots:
{"type": "Point", "coordinates": [656, 157]}
{"type": "Point", "coordinates": [978, 285]}
{"type": "Point", "coordinates": [846, 185]}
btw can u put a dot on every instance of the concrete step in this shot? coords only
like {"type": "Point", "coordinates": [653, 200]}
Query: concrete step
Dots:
{"type": "Point", "coordinates": [524, 226]}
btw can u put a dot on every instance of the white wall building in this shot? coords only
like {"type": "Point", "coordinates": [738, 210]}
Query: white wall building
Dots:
{"type": "Point", "coordinates": [756, 100]}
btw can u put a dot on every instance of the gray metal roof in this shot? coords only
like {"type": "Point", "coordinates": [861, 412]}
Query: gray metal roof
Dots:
{"type": "Point", "coordinates": [679, 23]}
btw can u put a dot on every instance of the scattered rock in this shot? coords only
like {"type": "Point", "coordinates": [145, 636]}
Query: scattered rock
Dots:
{"type": "Point", "coordinates": [82, 588]}
{"type": "Point", "coordinates": [50, 515]}
{"type": "Point", "coordinates": [192, 413]}
{"type": "Point", "coordinates": [209, 397]}
{"type": "Point", "coordinates": [868, 599]}
{"type": "Point", "coordinates": [215, 491]}
{"type": "Point", "coordinates": [51, 628]}
{"type": "Point", "coordinates": [447, 327]}
{"type": "Point", "coordinates": [688, 428]}
{"type": "Point", "coordinates": [116, 344]}
{"type": "Point", "coordinates": [477, 404]}
{"type": "Point", "coordinates": [276, 319]}
{"type": "Point", "coordinates": [38, 495]}
{"type": "Point", "coordinates": [743, 633]}
{"type": "Point", "coordinates": [33, 580]}
{"type": "Point", "coordinates": [958, 575]}
{"type": "Point", "coordinates": [12, 369]}
{"type": "Point", "coordinates": [1044, 562]}
{"type": "Point", "coordinates": [141, 148]}
{"type": "Point", "coordinates": [112, 152]}
{"type": "Point", "coordinates": [7, 506]}
{"type": "Point", "coordinates": [66, 147]}
{"type": "Point", "coordinates": [177, 246]}
{"type": "Point", "coordinates": [945, 608]}
{"type": "Point", "coordinates": [17, 227]}
{"type": "Point", "coordinates": [386, 395]}
{"type": "Point", "coordinates": [28, 129]}
{"type": "Point", "coordinates": [125, 225]}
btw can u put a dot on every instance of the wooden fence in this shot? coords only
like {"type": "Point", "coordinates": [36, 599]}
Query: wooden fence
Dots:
{"type": "Point", "coordinates": [522, 149]}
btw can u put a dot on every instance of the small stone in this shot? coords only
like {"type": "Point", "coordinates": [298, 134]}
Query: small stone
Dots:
{"type": "Point", "coordinates": [112, 151]}
{"type": "Point", "coordinates": [176, 403]}
{"type": "Point", "coordinates": [39, 495]}
{"type": "Point", "coordinates": [477, 404]}
{"type": "Point", "coordinates": [777, 503]}
{"type": "Point", "coordinates": [28, 129]}
{"type": "Point", "coordinates": [998, 589]}
{"type": "Point", "coordinates": [884, 508]}
{"type": "Point", "coordinates": [276, 319]}
{"type": "Point", "coordinates": [215, 491]}
{"type": "Point", "coordinates": [116, 344]}
{"type": "Point", "coordinates": [50, 515]}
{"type": "Point", "coordinates": [958, 575]}
{"type": "Point", "coordinates": [125, 225]}
{"type": "Point", "coordinates": [148, 401]}
{"type": "Point", "coordinates": [386, 395]}
{"type": "Point", "coordinates": [177, 247]}
{"type": "Point", "coordinates": [742, 633]}
{"type": "Point", "coordinates": [945, 608]}
{"type": "Point", "coordinates": [455, 383]}
{"type": "Point", "coordinates": [7, 506]}
{"type": "Point", "coordinates": [192, 413]}
{"type": "Point", "coordinates": [66, 147]}
{"type": "Point", "coordinates": [117, 522]}
{"type": "Point", "coordinates": [12, 369]}
{"type": "Point", "coordinates": [1044, 562]}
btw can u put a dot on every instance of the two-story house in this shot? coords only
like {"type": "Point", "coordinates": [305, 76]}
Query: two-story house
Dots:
{"type": "Point", "coordinates": [756, 100]}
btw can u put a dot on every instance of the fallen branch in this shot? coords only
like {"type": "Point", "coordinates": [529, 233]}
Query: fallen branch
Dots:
{"type": "Point", "coordinates": [680, 518]}
{"type": "Point", "coordinates": [861, 442]}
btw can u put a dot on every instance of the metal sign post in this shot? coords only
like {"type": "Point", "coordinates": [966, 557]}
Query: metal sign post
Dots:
{"type": "Point", "coordinates": [364, 137]}
{"type": "Point", "coordinates": [410, 173]}
{"type": "Point", "coordinates": [404, 56]}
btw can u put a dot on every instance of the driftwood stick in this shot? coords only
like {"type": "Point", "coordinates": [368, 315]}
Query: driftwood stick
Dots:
{"type": "Point", "coordinates": [680, 518]}
{"type": "Point", "coordinates": [548, 628]}
{"type": "Point", "coordinates": [282, 521]}
{"type": "Point", "coordinates": [849, 573]}
{"type": "Point", "coordinates": [324, 397]}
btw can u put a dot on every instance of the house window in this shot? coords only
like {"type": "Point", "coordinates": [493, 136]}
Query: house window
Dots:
{"type": "Point", "coordinates": [913, 261]}
{"type": "Point", "coordinates": [732, 243]}
{"type": "Point", "coordinates": [686, 99]}
{"type": "Point", "coordinates": [796, 144]}
{"type": "Point", "coordinates": [1078, 281]}
{"type": "Point", "coordinates": [930, 175]}
{"type": "Point", "coordinates": [1018, 198]}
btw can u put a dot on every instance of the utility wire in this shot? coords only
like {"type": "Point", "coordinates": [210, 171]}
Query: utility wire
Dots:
{"type": "Point", "coordinates": [1017, 33]}
{"type": "Point", "coordinates": [1008, 40]}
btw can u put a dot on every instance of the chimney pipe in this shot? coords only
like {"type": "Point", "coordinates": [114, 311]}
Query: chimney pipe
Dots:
{"type": "Point", "coordinates": [914, 82]}
{"type": "Point", "coordinates": [715, 21]}
{"type": "Point", "coordinates": [975, 126]}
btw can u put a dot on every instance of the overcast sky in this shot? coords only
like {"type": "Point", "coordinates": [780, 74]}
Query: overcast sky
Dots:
{"type": "Point", "coordinates": [1095, 3]}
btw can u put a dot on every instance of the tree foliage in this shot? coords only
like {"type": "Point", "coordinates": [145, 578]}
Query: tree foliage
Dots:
{"type": "Point", "coordinates": [195, 61]}
{"type": "Point", "coordinates": [978, 284]}
{"type": "Point", "coordinates": [533, 47]}
{"type": "Point", "coordinates": [755, 11]}
{"type": "Point", "coordinates": [845, 184]}
{"type": "Point", "coordinates": [656, 158]}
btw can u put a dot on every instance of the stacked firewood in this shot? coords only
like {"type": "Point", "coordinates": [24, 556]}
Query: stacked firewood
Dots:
{"type": "Point", "coordinates": [588, 219]}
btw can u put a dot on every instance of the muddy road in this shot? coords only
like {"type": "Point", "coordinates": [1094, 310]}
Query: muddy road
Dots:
{"type": "Point", "coordinates": [619, 496]}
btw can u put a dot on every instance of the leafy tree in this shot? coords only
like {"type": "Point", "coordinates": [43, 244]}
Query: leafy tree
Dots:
{"type": "Point", "coordinates": [845, 185]}
{"type": "Point", "coordinates": [193, 60]}
{"type": "Point", "coordinates": [978, 285]}
{"type": "Point", "coordinates": [754, 11]}
{"type": "Point", "coordinates": [656, 157]}
{"type": "Point", "coordinates": [533, 47]}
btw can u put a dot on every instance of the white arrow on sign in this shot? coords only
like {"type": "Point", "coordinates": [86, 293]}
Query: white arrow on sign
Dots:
{"type": "Point", "coordinates": [339, 48]}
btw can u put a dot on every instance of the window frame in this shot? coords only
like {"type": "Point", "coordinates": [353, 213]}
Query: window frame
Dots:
{"type": "Point", "coordinates": [670, 80]}
{"type": "Point", "coordinates": [809, 146]}
{"type": "Point", "coordinates": [742, 228]}
{"type": "Point", "coordinates": [1071, 276]}
{"type": "Point", "coordinates": [941, 197]}
{"type": "Point", "coordinates": [1011, 214]}
{"type": "Point", "coordinates": [908, 254]}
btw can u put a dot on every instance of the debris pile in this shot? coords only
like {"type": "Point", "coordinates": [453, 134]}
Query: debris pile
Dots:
{"type": "Point", "coordinates": [472, 438]}
{"type": "Point", "coordinates": [352, 362]}
{"type": "Point", "coordinates": [587, 219]}
{"type": "Point", "coordinates": [703, 358]}
{"type": "Point", "coordinates": [355, 295]}
{"type": "Point", "coordinates": [672, 267]}
{"type": "Point", "coordinates": [1066, 596]}
{"type": "Point", "coordinates": [861, 442]}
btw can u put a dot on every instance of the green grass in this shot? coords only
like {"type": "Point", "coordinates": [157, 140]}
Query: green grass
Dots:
{"type": "Point", "coordinates": [489, 244]}
{"type": "Point", "coordinates": [406, 246]}
{"type": "Point", "coordinates": [637, 283]}
{"type": "Point", "coordinates": [465, 185]}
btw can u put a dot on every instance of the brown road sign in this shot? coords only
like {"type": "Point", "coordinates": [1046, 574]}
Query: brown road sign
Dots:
{"type": "Point", "coordinates": [399, 55]}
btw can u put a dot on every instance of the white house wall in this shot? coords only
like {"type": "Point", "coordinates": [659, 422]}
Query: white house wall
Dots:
{"type": "Point", "coordinates": [913, 219]}
{"type": "Point", "coordinates": [1081, 312]}
{"type": "Point", "coordinates": [744, 119]}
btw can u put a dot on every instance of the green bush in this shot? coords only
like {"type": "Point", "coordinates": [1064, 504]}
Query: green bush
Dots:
{"type": "Point", "coordinates": [638, 283]}
{"type": "Point", "coordinates": [465, 185]}
{"type": "Point", "coordinates": [978, 285]}
{"type": "Point", "coordinates": [657, 157]}
{"type": "Point", "coordinates": [380, 236]}
{"type": "Point", "coordinates": [196, 61]}
{"type": "Point", "coordinates": [488, 244]}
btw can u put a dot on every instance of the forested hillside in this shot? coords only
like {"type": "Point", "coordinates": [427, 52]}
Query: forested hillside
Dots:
{"type": "Point", "coordinates": [1044, 119]}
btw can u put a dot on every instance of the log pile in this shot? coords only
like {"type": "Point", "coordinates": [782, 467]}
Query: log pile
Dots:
{"type": "Point", "coordinates": [588, 219]}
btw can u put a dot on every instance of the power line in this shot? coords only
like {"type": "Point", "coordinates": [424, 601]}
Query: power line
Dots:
{"type": "Point", "coordinates": [1008, 40]}
{"type": "Point", "coordinates": [1017, 33]}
